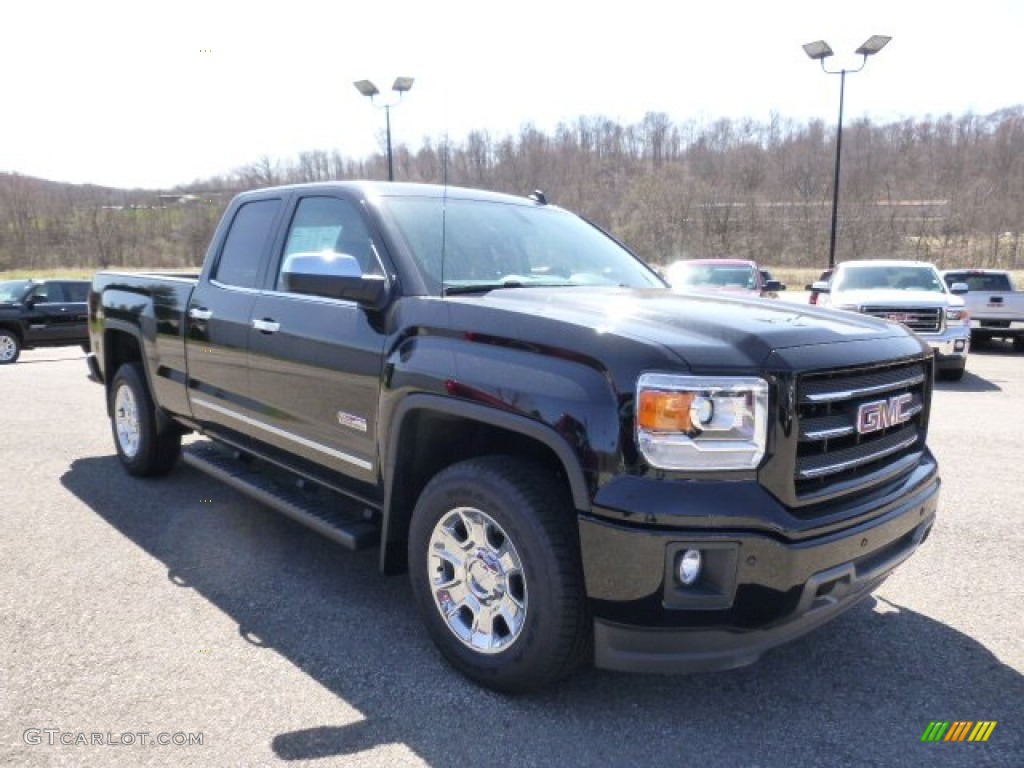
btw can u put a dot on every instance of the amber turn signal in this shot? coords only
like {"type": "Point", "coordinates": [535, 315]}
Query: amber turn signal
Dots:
{"type": "Point", "coordinates": [665, 411]}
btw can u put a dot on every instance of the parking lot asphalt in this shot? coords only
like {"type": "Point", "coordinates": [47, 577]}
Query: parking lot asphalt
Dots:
{"type": "Point", "coordinates": [176, 609]}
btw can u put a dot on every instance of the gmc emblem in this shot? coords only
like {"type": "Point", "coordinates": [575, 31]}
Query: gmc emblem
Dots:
{"type": "Point", "coordinates": [880, 414]}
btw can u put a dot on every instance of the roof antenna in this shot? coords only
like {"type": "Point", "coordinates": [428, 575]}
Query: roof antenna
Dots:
{"type": "Point", "coordinates": [538, 197]}
{"type": "Point", "coordinates": [444, 206]}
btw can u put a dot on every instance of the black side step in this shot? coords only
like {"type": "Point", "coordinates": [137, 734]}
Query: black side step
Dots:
{"type": "Point", "coordinates": [349, 530]}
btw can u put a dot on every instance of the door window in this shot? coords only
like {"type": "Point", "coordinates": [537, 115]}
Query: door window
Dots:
{"type": "Point", "coordinates": [240, 257]}
{"type": "Point", "coordinates": [76, 292]}
{"type": "Point", "coordinates": [331, 225]}
{"type": "Point", "coordinates": [50, 293]}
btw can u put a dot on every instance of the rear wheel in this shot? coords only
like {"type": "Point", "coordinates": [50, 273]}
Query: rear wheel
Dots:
{"type": "Point", "coordinates": [10, 347]}
{"type": "Point", "coordinates": [142, 450]}
{"type": "Point", "coordinates": [495, 569]}
{"type": "Point", "coordinates": [1018, 343]}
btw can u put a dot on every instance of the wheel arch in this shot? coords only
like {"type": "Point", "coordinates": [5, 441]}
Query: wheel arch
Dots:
{"type": "Point", "coordinates": [123, 343]}
{"type": "Point", "coordinates": [16, 329]}
{"type": "Point", "coordinates": [431, 432]}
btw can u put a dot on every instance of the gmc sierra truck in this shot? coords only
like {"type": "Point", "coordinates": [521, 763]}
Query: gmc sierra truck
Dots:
{"type": "Point", "coordinates": [907, 292]}
{"type": "Point", "coordinates": [573, 463]}
{"type": "Point", "coordinates": [42, 313]}
{"type": "Point", "coordinates": [995, 306]}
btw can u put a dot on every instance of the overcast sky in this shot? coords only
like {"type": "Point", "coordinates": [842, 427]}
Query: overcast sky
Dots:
{"type": "Point", "coordinates": [154, 94]}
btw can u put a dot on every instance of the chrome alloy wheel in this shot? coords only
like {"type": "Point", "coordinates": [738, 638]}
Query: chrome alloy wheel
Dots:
{"type": "Point", "coordinates": [126, 421]}
{"type": "Point", "coordinates": [8, 348]}
{"type": "Point", "coordinates": [477, 580]}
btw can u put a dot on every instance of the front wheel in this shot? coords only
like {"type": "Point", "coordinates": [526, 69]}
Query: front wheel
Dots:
{"type": "Point", "coordinates": [952, 374]}
{"type": "Point", "coordinates": [142, 450]}
{"type": "Point", "coordinates": [10, 347]}
{"type": "Point", "coordinates": [495, 569]}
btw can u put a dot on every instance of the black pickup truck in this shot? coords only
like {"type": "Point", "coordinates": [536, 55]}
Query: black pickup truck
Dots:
{"type": "Point", "coordinates": [572, 462]}
{"type": "Point", "coordinates": [42, 313]}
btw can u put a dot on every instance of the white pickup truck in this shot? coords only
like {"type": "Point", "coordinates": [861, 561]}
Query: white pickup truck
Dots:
{"type": "Point", "coordinates": [996, 309]}
{"type": "Point", "coordinates": [911, 293]}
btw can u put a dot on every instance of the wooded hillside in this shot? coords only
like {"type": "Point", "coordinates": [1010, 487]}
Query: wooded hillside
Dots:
{"type": "Point", "coordinates": [947, 189]}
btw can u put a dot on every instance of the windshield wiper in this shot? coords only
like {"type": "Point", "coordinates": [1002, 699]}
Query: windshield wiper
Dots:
{"type": "Point", "coordinates": [455, 290]}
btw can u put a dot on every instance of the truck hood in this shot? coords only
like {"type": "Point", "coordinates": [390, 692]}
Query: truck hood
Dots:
{"type": "Point", "coordinates": [715, 331]}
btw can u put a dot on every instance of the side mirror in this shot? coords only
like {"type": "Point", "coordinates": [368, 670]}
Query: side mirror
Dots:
{"type": "Point", "coordinates": [335, 276]}
{"type": "Point", "coordinates": [959, 288]}
{"type": "Point", "coordinates": [820, 286]}
{"type": "Point", "coordinates": [774, 285]}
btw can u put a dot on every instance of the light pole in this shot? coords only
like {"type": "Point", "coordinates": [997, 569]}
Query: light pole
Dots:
{"type": "Point", "coordinates": [402, 85]}
{"type": "Point", "coordinates": [820, 51]}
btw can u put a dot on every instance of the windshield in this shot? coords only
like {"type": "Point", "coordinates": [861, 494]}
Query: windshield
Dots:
{"type": "Point", "coordinates": [12, 291]}
{"type": "Point", "coordinates": [472, 245]}
{"type": "Point", "coordinates": [905, 278]}
{"type": "Point", "coordinates": [683, 274]}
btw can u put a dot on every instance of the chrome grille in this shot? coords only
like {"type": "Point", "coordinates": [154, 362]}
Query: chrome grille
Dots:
{"type": "Point", "coordinates": [835, 456]}
{"type": "Point", "coordinates": [918, 319]}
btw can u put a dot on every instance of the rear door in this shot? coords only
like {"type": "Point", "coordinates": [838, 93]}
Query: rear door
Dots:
{"type": "Point", "coordinates": [218, 317]}
{"type": "Point", "coordinates": [316, 362]}
{"type": "Point", "coordinates": [75, 311]}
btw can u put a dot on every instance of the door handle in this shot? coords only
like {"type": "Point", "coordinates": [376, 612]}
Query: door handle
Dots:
{"type": "Point", "coordinates": [200, 314]}
{"type": "Point", "coordinates": [266, 326]}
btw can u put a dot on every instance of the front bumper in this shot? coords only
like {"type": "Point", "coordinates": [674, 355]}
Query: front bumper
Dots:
{"type": "Point", "coordinates": [94, 368]}
{"type": "Point", "coordinates": [758, 590]}
{"type": "Point", "coordinates": [951, 346]}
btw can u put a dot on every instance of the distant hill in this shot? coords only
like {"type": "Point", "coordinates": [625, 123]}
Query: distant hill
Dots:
{"type": "Point", "coordinates": [946, 189]}
{"type": "Point", "coordinates": [52, 225]}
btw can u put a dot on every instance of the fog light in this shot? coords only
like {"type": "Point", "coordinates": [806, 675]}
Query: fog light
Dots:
{"type": "Point", "coordinates": [689, 567]}
{"type": "Point", "coordinates": [958, 345]}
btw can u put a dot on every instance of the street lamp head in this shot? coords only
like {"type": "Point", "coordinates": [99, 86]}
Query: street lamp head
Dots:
{"type": "Point", "coordinates": [818, 50]}
{"type": "Point", "coordinates": [402, 84]}
{"type": "Point", "coordinates": [873, 45]}
{"type": "Point", "coordinates": [366, 88]}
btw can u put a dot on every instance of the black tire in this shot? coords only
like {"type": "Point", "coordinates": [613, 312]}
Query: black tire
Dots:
{"type": "Point", "coordinates": [532, 519]}
{"type": "Point", "coordinates": [86, 348]}
{"type": "Point", "coordinates": [142, 451]}
{"type": "Point", "coordinates": [952, 374]}
{"type": "Point", "coordinates": [10, 347]}
{"type": "Point", "coordinates": [1018, 343]}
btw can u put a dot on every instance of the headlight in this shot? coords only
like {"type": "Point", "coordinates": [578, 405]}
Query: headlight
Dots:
{"type": "Point", "coordinates": [701, 422]}
{"type": "Point", "coordinates": [957, 314]}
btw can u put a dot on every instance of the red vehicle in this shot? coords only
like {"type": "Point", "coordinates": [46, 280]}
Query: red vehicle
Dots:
{"type": "Point", "coordinates": [739, 276]}
{"type": "Point", "coordinates": [825, 277]}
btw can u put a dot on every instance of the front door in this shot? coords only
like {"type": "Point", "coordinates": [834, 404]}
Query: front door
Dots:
{"type": "Point", "coordinates": [316, 362]}
{"type": "Point", "coordinates": [49, 317]}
